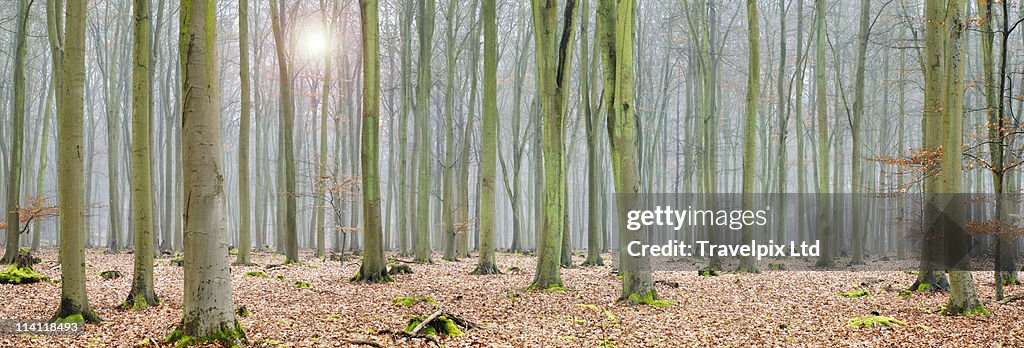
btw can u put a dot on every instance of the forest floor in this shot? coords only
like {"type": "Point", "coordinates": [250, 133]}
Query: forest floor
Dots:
{"type": "Point", "coordinates": [777, 308]}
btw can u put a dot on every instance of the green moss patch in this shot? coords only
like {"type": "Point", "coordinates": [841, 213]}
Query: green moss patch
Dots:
{"type": "Point", "coordinates": [74, 318]}
{"type": "Point", "coordinates": [406, 301]}
{"type": "Point", "coordinates": [439, 326]}
{"type": "Point", "coordinates": [707, 273]}
{"type": "Point", "coordinates": [976, 311]}
{"type": "Point", "coordinates": [17, 275]}
{"type": "Point", "coordinates": [110, 275]}
{"type": "Point", "coordinates": [874, 320]}
{"type": "Point", "coordinates": [302, 285]}
{"type": "Point", "coordinates": [856, 294]}
{"type": "Point", "coordinates": [649, 299]}
{"type": "Point", "coordinates": [400, 269]}
{"type": "Point", "coordinates": [258, 274]}
{"type": "Point", "coordinates": [226, 338]}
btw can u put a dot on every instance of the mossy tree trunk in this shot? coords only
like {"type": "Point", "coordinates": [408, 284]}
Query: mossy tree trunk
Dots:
{"type": "Point", "coordinates": [208, 312]}
{"type": "Point", "coordinates": [142, 293]}
{"type": "Point", "coordinates": [374, 268]}
{"type": "Point", "coordinates": [553, 61]}
{"type": "Point", "coordinates": [930, 277]}
{"type": "Point", "coordinates": [948, 122]}
{"type": "Point", "coordinates": [17, 135]}
{"type": "Point", "coordinates": [749, 125]}
{"type": "Point", "coordinates": [617, 51]}
{"type": "Point", "coordinates": [489, 141]}
{"type": "Point", "coordinates": [426, 34]}
{"type": "Point", "coordinates": [71, 167]}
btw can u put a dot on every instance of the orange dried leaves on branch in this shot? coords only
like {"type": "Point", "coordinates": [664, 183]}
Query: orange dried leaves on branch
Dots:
{"type": "Point", "coordinates": [34, 209]}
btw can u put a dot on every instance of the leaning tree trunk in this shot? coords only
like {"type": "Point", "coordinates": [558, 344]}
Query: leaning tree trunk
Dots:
{"type": "Point", "coordinates": [142, 293]}
{"type": "Point", "coordinates": [207, 307]}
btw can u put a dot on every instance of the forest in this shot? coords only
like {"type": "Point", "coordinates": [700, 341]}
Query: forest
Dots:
{"type": "Point", "coordinates": [578, 173]}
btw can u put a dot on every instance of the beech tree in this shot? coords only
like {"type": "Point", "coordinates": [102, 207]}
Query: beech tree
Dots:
{"type": "Point", "coordinates": [749, 124]}
{"type": "Point", "coordinates": [208, 312]}
{"type": "Point", "coordinates": [374, 267]}
{"type": "Point", "coordinates": [17, 135]}
{"type": "Point", "coordinates": [426, 33]}
{"type": "Point", "coordinates": [553, 61]}
{"type": "Point", "coordinates": [825, 260]}
{"type": "Point", "coordinates": [244, 237]}
{"type": "Point", "coordinates": [142, 293]}
{"type": "Point", "coordinates": [74, 302]}
{"type": "Point", "coordinates": [286, 177]}
{"type": "Point", "coordinates": [486, 264]}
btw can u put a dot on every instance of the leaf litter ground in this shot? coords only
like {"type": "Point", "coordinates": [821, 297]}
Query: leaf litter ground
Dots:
{"type": "Point", "coordinates": [777, 308]}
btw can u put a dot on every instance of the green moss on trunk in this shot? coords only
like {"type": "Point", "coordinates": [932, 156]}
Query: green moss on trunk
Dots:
{"type": "Point", "coordinates": [226, 337]}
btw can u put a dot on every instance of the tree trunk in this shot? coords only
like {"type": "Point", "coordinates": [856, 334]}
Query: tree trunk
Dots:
{"type": "Point", "coordinates": [426, 34]}
{"type": "Point", "coordinates": [593, 167]}
{"type": "Point", "coordinates": [489, 142]}
{"type": "Point", "coordinates": [825, 260]}
{"type": "Point", "coordinates": [553, 60]}
{"type": "Point", "coordinates": [749, 124]}
{"type": "Point", "coordinates": [244, 225]}
{"type": "Point", "coordinates": [448, 167]}
{"type": "Point", "coordinates": [374, 268]}
{"type": "Point", "coordinates": [207, 306]}
{"type": "Point", "coordinates": [17, 136]}
{"type": "Point", "coordinates": [74, 303]}
{"type": "Point", "coordinates": [856, 130]}
{"type": "Point", "coordinates": [142, 293]}
{"type": "Point", "coordinates": [287, 136]}
{"type": "Point", "coordinates": [963, 298]}
{"type": "Point", "coordinates": [782, 105]}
